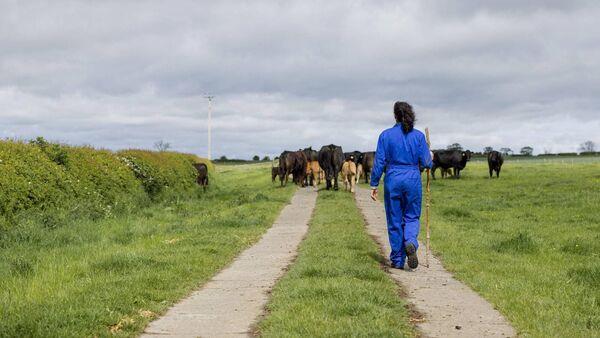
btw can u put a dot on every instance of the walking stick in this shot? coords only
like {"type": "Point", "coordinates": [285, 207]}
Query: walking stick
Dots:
{"type": "Point", "coordinates": [427, 204]}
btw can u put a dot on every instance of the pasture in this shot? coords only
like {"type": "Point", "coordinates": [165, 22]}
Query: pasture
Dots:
{"type": "Point", "coordinates": [112, 276]}
{"type": "Point", "coordinates": [529, 242]}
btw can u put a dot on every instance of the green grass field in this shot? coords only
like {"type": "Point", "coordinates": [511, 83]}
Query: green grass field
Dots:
{"type": "Point", "coordinates": [99, 278]}
{"type": "Point", "coordinates": [529, 242]}
{"type": "Point", "coordinates": [337, 288]}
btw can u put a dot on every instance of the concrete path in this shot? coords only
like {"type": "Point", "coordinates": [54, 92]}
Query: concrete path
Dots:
{"type": "Point", "coordinates": [449, 308]}
{"type": "Point", "coordinates": [230, 303]}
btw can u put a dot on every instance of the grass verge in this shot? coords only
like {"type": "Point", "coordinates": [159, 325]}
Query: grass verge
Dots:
{"type": "Point", "coordinates": [529, 242]}
{"type": "Point", "coordinates": [111, 277]}
{"type": "Point", "coordinates": [336, 286]}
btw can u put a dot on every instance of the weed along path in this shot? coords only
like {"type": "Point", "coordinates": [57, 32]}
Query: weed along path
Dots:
{"type": "Point", "coordinates": [449, 308]}
{"type": "Point", "coordinates": [230, 303]}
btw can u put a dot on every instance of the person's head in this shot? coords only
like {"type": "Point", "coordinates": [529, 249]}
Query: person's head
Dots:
{"type": "Point", "coordinates": [404, 115]}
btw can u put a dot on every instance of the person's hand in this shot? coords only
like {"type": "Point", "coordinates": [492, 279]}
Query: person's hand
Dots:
{"type": "Point", "coordinates": [374, 192]}
{"type": "Point", "coordinates": [431, 153]}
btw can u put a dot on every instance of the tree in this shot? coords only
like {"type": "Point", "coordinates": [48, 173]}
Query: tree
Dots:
{"type": "Point", "coordinates": [587, 147]}
{"type": "Point", "coordinates": [266, 158]}
{"type": "Point", "coordinates": [506, 151]}
{"type": "Point", "coordinates": [223, 158]}
{"type": "Point", "coordinates": [526, 151]}
{"type": "Point", "coordinates": [454, 146]}
{"type": "Point", "coordinates": [255, 158]}
{"type": "Point", "coordinates": [487, 150]}
{"type": "Point", "coordinates": [162, 145]}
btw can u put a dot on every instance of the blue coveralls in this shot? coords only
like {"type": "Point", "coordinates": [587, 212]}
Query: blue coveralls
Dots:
{"type": "Point", "coordinates": [399, 155]}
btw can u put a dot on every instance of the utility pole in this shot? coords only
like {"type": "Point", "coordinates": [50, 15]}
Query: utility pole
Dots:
{"type": "Point", "coordinates": [210, 98]}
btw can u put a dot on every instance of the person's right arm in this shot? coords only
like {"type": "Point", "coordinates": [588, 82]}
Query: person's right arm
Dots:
{"type": "Point", "coordinates": [425, 159]}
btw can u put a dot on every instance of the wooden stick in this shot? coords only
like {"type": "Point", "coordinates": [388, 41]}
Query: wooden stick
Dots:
{"type": "Point", "coordinates": [427, 204]}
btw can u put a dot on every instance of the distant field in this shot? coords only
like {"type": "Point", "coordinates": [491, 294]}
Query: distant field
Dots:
{"type": "Point", "coordinates": [529, 241]}
{"type": "Point", "coordinates": [109, 277]}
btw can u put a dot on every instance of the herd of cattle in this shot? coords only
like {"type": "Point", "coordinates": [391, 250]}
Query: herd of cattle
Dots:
{"type": "Point", "coordinates": [309, 167]}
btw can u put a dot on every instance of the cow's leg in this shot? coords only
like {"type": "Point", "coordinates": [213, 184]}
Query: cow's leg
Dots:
{"type": "Point", "coordinates": [498, 172]}
{"type": "Point", "coordinates": [352, 184]}
{"type": "Point", "coordinates": [491, 171]}
{"type": "Point", "coordinates": [335, 182]}
{"type": "Point", "coordinates": [433, 172]}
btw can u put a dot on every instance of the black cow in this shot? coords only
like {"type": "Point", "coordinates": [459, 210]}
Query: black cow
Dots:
{"type": "Point", "coordinates": [455, 159]}
{"type": "Point", "coordinates": [331, 160]}
{"type": "Point", "coordinates": [202, 177]}
{"type": "Point", "coordinates": [358, 157]}
{"type": "Point", "coordinates": [282, 168]}
{"type": "Point", "coordinates": [295, 164]}
{"type": "Point", "coordinates": [495, 162]}
{"type": "Point", "coordinates": [274, 170]}
{"type": "Point", "coordinates": [367, 164]}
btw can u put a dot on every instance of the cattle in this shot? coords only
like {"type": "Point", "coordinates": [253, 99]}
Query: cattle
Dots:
{"type": "Point", "coordinates": [367, 164]}
{"type": "Point", "coordinates": [274, 170]}
{"type": "Point", "coordinates": [446, 159]}
{"type": "Point", "coordinates": [446, 172]}
{"type": "Point", "coordinates": [357, 159]}
{"type": "Point", "coordinates": [349, 173]}
{"type": "Point", "coordinates": [495, 162]}
{"type": "Point", "coordinates": [282, 168]}
{"type": "Point", "coordinates": [202, 177]}
{"type": "Point", "coordinates": [313, 169]}
{"type": "Point", "coordinates": [331, 159]}
{"type": "Point", "coordinates": [294, 163]}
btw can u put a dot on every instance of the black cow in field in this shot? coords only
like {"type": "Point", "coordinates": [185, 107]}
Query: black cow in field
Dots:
{"type": "Point", "coordinates": [282, 168]}
{"type": "Point", "coordinates": [293, 163]}
{"type": "Point", "coordinates": [274, 170]}
{"type": "Point", "coordinates": [331, 160]}
{"type": "Point", "coordinates": [367, 164]}
{"type": "Point", "coordinates": [495, 162]}
{"type": "Point", "coordinates": [446, 159]}
{"type": "Point", "coordinates": [202, 177]}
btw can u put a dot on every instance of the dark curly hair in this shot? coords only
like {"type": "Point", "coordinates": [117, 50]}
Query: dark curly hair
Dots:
{"type": "Point", "coordinates": [405, 115]}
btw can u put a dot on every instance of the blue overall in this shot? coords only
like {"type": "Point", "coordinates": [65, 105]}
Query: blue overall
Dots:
{"type": "Point", "coordinates": [399, 155]}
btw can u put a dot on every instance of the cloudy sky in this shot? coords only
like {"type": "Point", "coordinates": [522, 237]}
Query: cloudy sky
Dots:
{"type": "Point", "coordinates": [120, 74]}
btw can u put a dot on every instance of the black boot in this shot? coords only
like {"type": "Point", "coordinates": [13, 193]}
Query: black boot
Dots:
{"type": "Point", "coordinates": [411, 253]}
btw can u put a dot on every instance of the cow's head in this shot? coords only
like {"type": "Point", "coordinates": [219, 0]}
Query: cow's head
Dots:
{"type": "Point", "coordinates": [466, 155]}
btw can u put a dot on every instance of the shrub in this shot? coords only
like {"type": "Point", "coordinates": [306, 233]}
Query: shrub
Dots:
{"type": "Point", "coordinates": [29, 179]}
{"type": "Point", "coordinates": [163, 174]}
{"type": "Point", "coordinates": [49, 180]}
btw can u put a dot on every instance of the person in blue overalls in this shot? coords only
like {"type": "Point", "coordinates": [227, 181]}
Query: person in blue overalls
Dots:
{"type": "Point", "coordinates": [400, 151]}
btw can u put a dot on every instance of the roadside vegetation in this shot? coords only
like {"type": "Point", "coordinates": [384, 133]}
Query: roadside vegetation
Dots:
{"type": "Point", "coordinates": [336, 287]}
{"type": "Point", "coordinates": [529, 242]}
{"type": "Point", "coordinates": [111, 275]}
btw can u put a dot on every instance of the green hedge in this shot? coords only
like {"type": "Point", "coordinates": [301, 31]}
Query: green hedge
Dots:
{"type": "Point", "coordinates": [29, 179]}
{"type": "Point", "coordinates": [51, 179]}
{"type": "Point", "coordinates": [163, 174]}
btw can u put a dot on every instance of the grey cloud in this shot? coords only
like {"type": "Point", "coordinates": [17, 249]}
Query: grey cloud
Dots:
{"type": "Point", "coordinates": [289, 74]}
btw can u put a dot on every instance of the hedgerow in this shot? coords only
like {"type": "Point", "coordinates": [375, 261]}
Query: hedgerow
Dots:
{"type": "Point", "coordinates": [53, 181]}
{"type": "Point", "coordinates": [29, 179]}
{"type": "Point", "coordinates": [163, 174]}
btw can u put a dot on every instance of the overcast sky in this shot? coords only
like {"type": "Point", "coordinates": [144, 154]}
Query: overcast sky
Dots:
{"type": "Point", "coordinates": [120, 74]}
